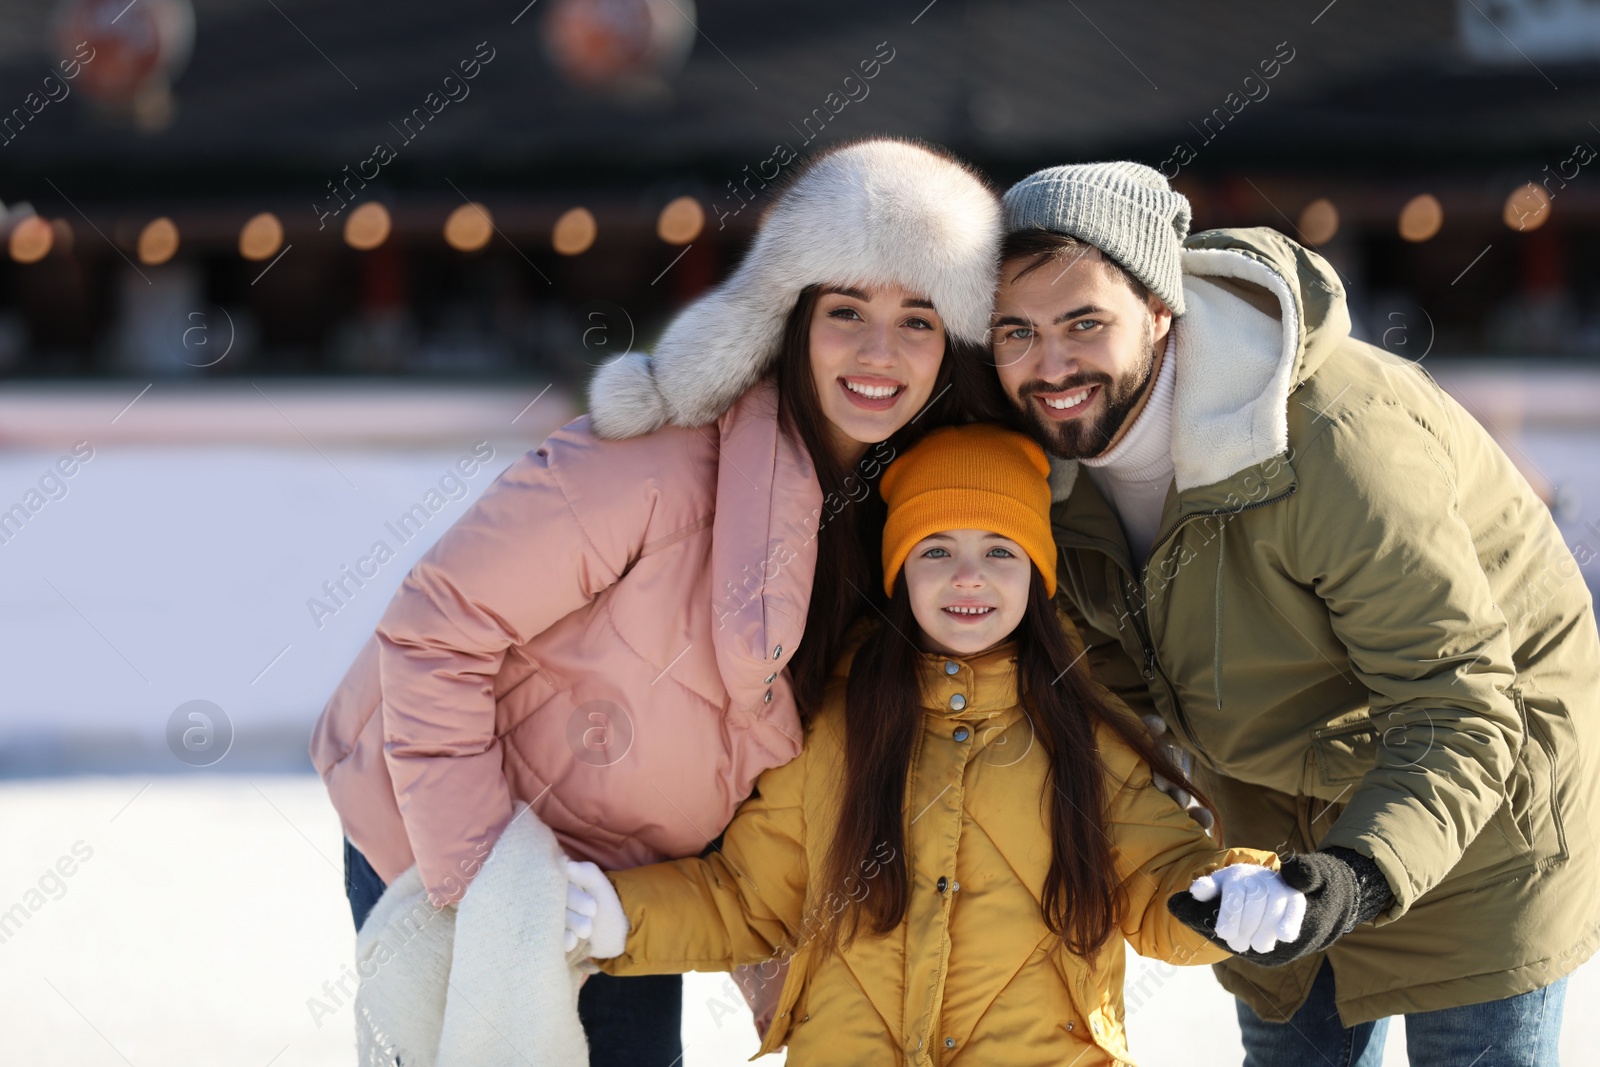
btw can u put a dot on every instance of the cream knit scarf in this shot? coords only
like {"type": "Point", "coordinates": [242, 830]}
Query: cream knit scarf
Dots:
{"type": "Point", "coordinates": [480, 983]}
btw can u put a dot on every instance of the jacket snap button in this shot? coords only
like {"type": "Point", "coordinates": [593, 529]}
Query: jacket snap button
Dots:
{"type": "Point", "coordinates": [1069, 1026]}
{"type": "Point", "coordinates": [773, 677]}
{"type": "Point", "coordinates": [961, 733]}
{"type": "Point", "coordinates": [949, 1042]}
{"type": "Point", "coordinates": [951, 666]}
{"type": "Point", "coordinates": [806, 1017]}
{"type": "Point", "coordinates": [955, 887]}
{"type": "Point", "coordinates": [768, 698]}
{"type": "Point", "coordinates": [776, 652]}
{"type": "Point", "coordinates": [940, 885]}
{"type": "Point", "coordinates": [958, 702]}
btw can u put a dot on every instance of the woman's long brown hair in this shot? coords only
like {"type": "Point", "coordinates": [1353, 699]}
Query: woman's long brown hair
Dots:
{"type": "Point", "coordinates": [883, 718]}
{"type": "Point", "coordinates": [849, 574]}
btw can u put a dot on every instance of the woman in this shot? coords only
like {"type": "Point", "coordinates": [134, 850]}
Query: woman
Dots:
{"type": "Point", "coordinates": [613, 631]}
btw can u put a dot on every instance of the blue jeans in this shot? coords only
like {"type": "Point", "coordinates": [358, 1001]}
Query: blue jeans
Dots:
{"type": "Point", "coordinates": [1520, 1031]}
{"type": "Point", "coordinates": [628, 1021]}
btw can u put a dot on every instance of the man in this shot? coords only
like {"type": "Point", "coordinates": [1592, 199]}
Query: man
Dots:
{"type": "Point", "coordinates": [1341, 598]}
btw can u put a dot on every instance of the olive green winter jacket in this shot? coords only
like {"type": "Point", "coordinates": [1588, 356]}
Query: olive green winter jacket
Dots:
{"type": "Point", "coordinates": [1365, 625]}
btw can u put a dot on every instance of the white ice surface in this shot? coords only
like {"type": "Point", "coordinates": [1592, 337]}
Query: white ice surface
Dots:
{"type": "Point", "coordinates": [211, 912]}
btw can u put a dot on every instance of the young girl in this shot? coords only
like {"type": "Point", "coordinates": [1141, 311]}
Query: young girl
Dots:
{"type": "Point", "coordinates": [949, 865]}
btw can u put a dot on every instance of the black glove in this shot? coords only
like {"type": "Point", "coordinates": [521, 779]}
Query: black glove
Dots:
{"type": "Point", "coordinates": [1343, 888]}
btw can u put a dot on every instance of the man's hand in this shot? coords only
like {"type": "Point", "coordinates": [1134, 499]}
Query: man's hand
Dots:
{"type": "Point", "coordinates": [1246, 906]}
{"type": "Point", "coordinates": [1339, 893]}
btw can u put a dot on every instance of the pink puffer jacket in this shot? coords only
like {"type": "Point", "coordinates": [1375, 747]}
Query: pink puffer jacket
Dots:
{"type": "Point", "coordinates": [602, 634]}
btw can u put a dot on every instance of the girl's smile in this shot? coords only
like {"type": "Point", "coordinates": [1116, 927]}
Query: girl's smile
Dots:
{"type": "Point", "coordinates": [968, 589]}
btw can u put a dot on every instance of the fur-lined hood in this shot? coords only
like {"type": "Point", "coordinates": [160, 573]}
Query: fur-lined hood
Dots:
{"type": "Point", "coordinates": [879, 211]}
{"type": "Point", "coordinates": [1262, 314]}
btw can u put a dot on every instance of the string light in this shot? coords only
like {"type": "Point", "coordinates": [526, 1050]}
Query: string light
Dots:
{"type": "Point", "coordinates": [158, 241]}
{"type": "Point", "coordinates": [574, 232]}
{"type": "Point", "coordinates": [261, 237]}
{"type": "Point", "coordinates": [468, 228]}
{"type": "Point", "coordinates": [31, 240]}
{"type": "Point", "coordinates": [1319, 221]}
{"type": "Point", "coordinates": [367, 227]}
{"type": "Point", "coordinates": [681, 221]}
{"type": "Point", "coordinates": [1421, 218]}
{"type": "Point", "coordinates": [1527, 208]}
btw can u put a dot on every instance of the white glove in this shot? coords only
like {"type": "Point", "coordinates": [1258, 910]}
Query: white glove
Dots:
{"type": "Point", "coordinates": [1258, 908]}
{"type": "Point", "coordinates": [594, 912]}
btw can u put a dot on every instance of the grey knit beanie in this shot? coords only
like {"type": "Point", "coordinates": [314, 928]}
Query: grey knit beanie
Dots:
{"type": "Point", "coordinates": [1125, 209]}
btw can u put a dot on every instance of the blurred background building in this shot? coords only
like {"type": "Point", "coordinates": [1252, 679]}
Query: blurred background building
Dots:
{"type": "Point", "coordinates": [490, 189]}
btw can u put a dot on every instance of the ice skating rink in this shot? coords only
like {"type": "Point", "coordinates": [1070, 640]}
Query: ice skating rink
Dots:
{"type": "Point", "coordinates": [204, 923]}
{"type": "Point", "coordinates": [157, 915]}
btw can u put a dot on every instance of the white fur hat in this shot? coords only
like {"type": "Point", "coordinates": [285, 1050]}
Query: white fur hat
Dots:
{"type": "Point", "coordinates": [872, 212]}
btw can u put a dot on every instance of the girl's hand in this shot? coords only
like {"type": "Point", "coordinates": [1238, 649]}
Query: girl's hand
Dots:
{"type": "Point", "coordinates": [1159, 733]}
{"type": "Point", "coordinates": [1258, 908]}
{"type": "Point", "coordinates": [594, 912]}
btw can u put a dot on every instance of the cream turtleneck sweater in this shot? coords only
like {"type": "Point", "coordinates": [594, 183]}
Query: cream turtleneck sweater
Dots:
{"type": "Point", "coordinates": [1135, 474]}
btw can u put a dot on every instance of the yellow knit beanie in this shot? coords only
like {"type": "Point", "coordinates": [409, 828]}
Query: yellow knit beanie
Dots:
{"type": "Point", "coordinates": [973, 477]}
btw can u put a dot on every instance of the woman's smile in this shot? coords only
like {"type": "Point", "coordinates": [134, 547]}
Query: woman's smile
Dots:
{"type": "Point", "coordinates": [871, 392]}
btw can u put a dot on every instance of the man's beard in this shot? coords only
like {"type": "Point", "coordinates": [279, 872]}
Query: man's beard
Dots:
{"type": "Point", "coordinates": [1078, 438]}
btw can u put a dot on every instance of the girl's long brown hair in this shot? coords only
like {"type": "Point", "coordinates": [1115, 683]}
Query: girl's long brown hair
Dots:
{"type": "Point", "coordinates": [849, 574]}
{"type": "Point", "coordinates": [883, 718]}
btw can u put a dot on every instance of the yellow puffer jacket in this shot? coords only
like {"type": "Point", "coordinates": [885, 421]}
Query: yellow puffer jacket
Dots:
{"type": "Point", "coordinates": [972, 976]}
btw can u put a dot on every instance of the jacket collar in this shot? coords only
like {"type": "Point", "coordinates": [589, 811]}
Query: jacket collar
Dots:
{"type": "Point", "coordinates": [763, 552]}
{"type": "Point", "coordinates": [1262, 313]}
{"type": "Point", "coordinates": [986, 682]}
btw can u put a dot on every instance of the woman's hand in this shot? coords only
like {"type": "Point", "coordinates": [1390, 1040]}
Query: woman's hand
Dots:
{"type": "Point", "coordinates": [1256, 909]}
{"type": "Point", "coordinates": [594, 912]}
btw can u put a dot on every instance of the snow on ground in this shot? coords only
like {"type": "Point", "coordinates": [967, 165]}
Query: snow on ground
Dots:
{"type": "Point", "coordinates": [204, 922]}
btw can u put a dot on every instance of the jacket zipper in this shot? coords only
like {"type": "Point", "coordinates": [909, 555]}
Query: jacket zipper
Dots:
{"type": "Point", "coordinates": [1152, 668]}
